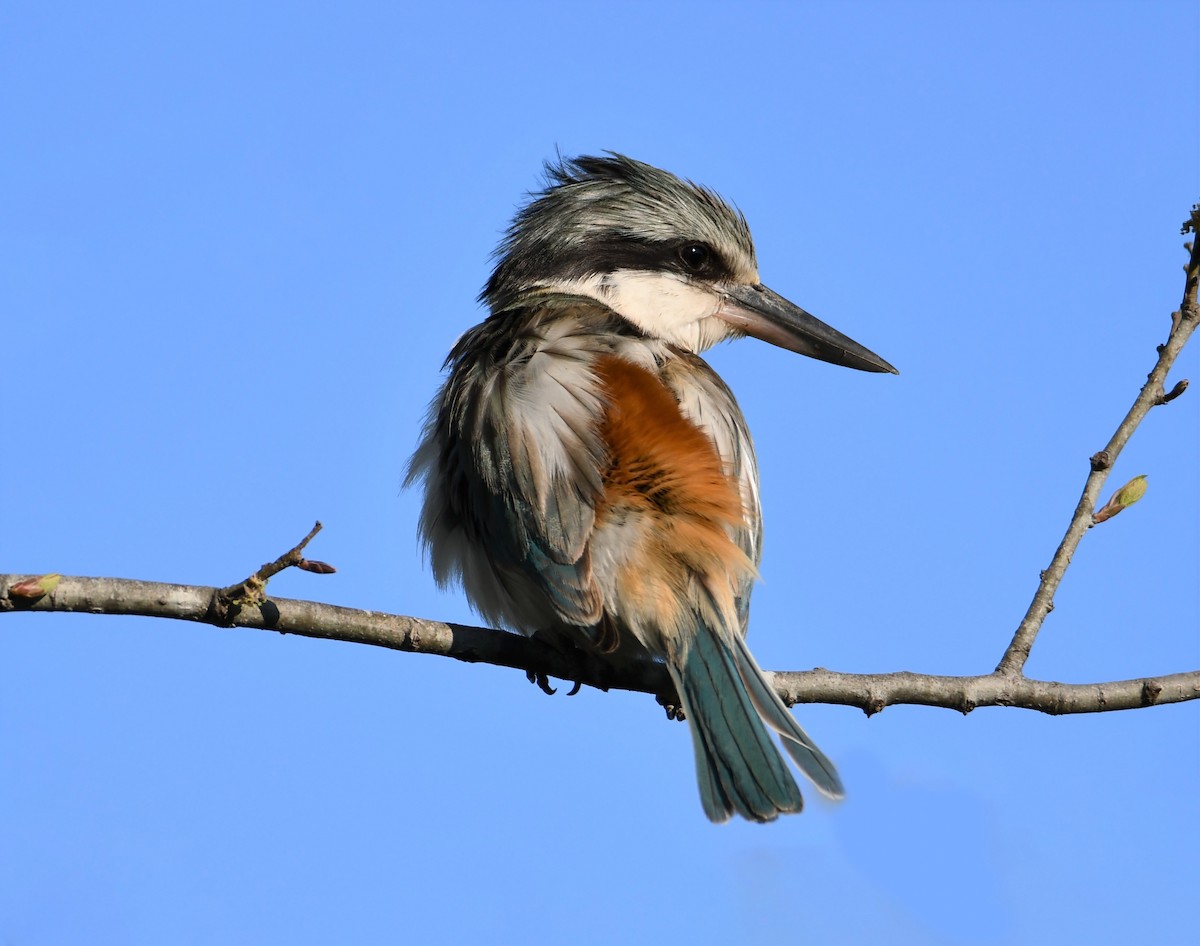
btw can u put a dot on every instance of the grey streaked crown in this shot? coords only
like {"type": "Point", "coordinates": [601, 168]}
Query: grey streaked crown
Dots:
{"type": "Point", "coordinates": [603, 214]}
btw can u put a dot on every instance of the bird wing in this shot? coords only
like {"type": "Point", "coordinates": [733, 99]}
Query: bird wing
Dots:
{"type": "Point", "coordinates": [514, 462]}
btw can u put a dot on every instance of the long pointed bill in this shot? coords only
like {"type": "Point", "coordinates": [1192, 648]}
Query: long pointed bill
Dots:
{"type": "Point", "coordinates": [766, 315]}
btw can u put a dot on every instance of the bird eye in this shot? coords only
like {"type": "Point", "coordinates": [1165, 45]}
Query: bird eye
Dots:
{"type": "Point", "coordinates": [695, 256]}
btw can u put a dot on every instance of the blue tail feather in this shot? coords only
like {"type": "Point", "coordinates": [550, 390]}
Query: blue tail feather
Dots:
{"type": "Point", "coordinates": [739, 768]}
{"type": "Point", "coordinates": [771, 709]}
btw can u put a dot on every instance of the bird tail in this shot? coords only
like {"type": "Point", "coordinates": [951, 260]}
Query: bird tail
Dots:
{"type": "Point", "coordinates": [730, 708]}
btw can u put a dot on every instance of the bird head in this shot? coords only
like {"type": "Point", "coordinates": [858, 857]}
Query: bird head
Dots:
{"type": "Point", "coordinates": [667, 255]}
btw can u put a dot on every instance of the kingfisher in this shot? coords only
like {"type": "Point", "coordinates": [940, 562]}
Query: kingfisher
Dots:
{"type": "Point", "coordinates": [590, 480]}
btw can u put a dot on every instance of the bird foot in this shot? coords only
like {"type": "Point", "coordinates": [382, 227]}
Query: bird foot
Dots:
{"type": "Point", "coordinates": [671, 703]}
{"type": "Point", "coordinates": [542, 682]}
{"type": "Point", "coordinates": [584, 663]}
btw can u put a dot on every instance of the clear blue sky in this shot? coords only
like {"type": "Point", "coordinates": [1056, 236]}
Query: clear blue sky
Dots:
{"type": "Point", "coordinates": [236, 242]}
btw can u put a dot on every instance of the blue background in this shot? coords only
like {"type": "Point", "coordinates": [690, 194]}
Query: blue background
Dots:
{"type": "Point", "coordinates": [237, 241]}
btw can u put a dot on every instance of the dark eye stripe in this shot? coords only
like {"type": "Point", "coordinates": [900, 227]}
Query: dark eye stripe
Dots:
{"type": "Point", "coordinates": [623, 252]}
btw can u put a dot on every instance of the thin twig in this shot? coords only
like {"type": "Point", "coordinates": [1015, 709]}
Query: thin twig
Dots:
{"type": "Point", "coordinates": [253, 590]}
{"type": "Point", "coordinates": [1183, 323]}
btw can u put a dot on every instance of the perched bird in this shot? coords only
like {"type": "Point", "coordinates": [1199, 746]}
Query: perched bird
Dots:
{"type": "Point", "coordinates": [590, 479]}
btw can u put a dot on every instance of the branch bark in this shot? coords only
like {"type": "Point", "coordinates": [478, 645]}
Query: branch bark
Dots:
{"type": "Point", "coordinates": [869, 692]}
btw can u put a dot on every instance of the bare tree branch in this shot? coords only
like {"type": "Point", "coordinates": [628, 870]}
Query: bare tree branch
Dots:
{"type": "Point", "coordinates": [869, 692]}
{"type": "Point", "coordinates": [872, 692]}
{"type": "Point", "coordinates": [246, 605]}
{"type": "Point", "coordinates": [1183, 323]}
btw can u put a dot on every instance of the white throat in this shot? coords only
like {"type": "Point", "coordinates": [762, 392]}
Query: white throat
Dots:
{"type": "Point", "coordinates": [663, 305]}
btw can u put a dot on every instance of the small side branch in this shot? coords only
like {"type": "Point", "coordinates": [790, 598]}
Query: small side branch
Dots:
{"type": "Point", "coordinates": [252, 591]}
{"type": "Point", "coordinates": [1183, 323]}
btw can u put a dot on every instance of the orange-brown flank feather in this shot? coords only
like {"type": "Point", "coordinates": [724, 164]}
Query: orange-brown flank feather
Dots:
{"type": "Point", "coordinates": [665, 473]}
